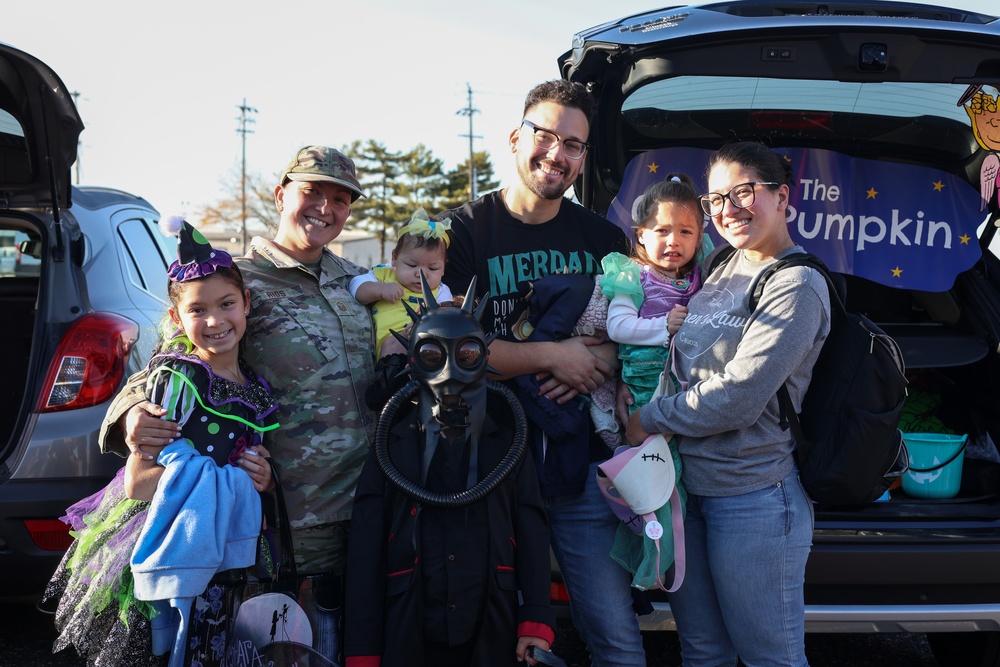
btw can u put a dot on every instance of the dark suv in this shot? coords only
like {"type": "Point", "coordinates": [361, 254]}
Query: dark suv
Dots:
{"type": "Point", "coordinates": [888, 113]}
{"type": "Point", "coordinates": [82, 283]}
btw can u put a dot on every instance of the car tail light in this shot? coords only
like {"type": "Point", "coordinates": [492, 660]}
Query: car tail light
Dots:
{"type": "Point", "coordinates": [49, 534]}
{"type": "Point", "coordinates": [90, 363]}
{"type": "Point", "coordinates": [558, 592]}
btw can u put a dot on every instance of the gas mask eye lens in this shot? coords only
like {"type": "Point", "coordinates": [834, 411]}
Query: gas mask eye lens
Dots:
{"type": "Point", "coordinates": [430, 355]}
{"type": "Point", "coordinates": [469, 354]}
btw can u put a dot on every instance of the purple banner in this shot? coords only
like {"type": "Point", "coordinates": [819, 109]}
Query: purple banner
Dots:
{"type": "Point", "coordinates": [895, 224]}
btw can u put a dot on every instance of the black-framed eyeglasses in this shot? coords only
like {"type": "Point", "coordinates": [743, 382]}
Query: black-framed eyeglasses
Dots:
{"type": "Point", "coordinates": [741, 196]}
{"type": "Point", "coordinates": [547, 140]}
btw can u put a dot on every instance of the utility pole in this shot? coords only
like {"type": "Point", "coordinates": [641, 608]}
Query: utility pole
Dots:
{"type": "Point", "coordinates": [244, 120]}
{"type": "Point", "coordinates": [469, 111]}
{"type": "Point", "coordinates": [79, 143]}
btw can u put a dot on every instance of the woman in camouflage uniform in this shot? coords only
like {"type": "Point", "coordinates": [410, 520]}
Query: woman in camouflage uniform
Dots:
{"type": "Point", "coordinates": [313, 343]}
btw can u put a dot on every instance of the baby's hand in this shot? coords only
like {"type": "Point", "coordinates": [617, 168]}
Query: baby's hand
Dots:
{"type": "Point", "coordinates": [675, 318]}
{"type": "Point", "coordinates": [392, 292]}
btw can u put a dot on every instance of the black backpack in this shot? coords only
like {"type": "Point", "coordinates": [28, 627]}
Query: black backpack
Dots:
{"type": "Point", "coordinates": [849, 447]}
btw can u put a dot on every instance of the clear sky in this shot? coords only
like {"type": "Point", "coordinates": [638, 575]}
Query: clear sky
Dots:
{"type": "Point", "coordinates": [160, 83]}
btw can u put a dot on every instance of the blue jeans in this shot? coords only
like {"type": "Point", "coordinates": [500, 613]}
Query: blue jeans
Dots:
{"type": "Point", "coordinates": [583, 529]}
{"type": "Point", "coordinates": [742, 594]}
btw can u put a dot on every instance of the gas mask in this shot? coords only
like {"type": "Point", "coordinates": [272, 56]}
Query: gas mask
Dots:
{"type": "Point", "coordinates": [447, 352]}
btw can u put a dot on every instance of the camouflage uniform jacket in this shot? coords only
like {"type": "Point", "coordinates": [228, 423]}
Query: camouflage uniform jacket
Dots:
{"type": "Point", "coordinates": [314, 344]}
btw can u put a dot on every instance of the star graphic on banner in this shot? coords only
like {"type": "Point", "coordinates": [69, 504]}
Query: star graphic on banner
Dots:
{"type": "Point", "coordinates": [871, 193]}
{"type": "Point", "coordinates": [938, 186]}
{"type": "Point", "coordinates": [653, 167]}
{"type": "Point", "coordinates": [964, 238]}
{"type": "Point", "coordinates": [897, 272]}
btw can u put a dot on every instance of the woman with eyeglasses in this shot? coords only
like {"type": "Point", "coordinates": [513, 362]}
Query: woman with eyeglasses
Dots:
{"type": "Point", "coordinates": [749, 522]}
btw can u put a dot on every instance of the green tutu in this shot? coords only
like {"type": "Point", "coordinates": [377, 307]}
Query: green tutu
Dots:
{"type": "Point", "coordinates": [621, 276]}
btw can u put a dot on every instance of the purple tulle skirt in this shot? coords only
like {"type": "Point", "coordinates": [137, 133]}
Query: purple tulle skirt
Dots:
{"type": "Point", "coordinates": [97, 612]}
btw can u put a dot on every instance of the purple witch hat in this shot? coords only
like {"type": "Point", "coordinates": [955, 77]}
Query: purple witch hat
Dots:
{"type": "Point", "coordinates": [196, 258]}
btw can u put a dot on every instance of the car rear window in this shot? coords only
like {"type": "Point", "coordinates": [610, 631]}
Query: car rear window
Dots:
{"type": "Point", "coordinates": [688, 93]}
{"type": "Point", "coordinates": [920, 123]}
{"type": "Point", "coordinates": [14, 166]}
{"type": "Point", "coordinates": [9, 125]}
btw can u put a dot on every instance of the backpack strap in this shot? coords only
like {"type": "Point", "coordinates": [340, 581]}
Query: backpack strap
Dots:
{"type": "Point", "coordinates": [723, 254]}
{"type": "Point", "coordinates": [787, 417]}
{"type": "Point", "coordinates": [837, 291]}
{"type": "Point", "coordinates": [718, 259]}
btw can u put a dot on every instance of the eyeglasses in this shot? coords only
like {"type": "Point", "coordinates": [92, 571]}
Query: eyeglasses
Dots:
{"type": "Point", "coordinates": [547, 140]}
{"type": "Point", "coordinates": [741, 196]}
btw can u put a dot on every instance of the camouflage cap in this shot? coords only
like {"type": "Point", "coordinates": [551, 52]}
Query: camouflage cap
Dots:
{"type": "Point", "coordinates": [322, 163]}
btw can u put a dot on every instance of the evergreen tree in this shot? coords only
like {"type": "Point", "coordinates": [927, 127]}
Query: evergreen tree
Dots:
{"type": "Point", "coordinates": [379, 172]}
{"type": "Point", "coordinates": [423, 180]}
{"type": "Point", "coordinates": [396, 183]}
{"type": "Point", "coordinates": [456, 190]}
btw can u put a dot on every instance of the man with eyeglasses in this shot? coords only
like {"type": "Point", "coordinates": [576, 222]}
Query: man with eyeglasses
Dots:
{"type": "Point", "coordinates": [507, 239]}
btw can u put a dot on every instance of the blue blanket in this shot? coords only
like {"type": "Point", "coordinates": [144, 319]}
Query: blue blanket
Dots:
{"type": "Point", "coordinates": [203, 519]}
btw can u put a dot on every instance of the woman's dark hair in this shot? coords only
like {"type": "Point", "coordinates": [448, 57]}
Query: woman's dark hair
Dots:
{"type": "Point", "coordinates": [757, 158]}
{"type": "Point", "coordinates": [677, 188]}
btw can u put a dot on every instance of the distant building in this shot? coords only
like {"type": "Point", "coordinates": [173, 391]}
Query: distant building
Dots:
{"type": "Point", "coordinates": [357, 246]}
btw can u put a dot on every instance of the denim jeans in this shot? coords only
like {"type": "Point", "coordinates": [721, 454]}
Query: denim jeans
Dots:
{"type": "Point", "coordinates": [321, 597]}
{"type": "Point", "coordinates": [746, 561]}
{"type": "Point", "coordinates": [583, 529]}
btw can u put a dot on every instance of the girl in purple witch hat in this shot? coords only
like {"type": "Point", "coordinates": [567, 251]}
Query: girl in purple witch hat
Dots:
{"type": "Point", "coordinates": [145, 575]}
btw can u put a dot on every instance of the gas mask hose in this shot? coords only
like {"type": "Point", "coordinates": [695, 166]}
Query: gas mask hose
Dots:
{"type": "Point", "coordinates": [478, 491]}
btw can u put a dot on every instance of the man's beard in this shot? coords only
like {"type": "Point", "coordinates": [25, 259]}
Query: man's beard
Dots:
{"type": "Point", "coordinates": [545, 190]}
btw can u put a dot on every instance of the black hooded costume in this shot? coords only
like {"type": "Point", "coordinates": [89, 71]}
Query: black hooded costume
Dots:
{"type": "Point", "coordinates": [436, 582]}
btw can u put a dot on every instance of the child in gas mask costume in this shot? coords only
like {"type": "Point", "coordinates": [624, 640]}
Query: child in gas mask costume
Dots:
{"type": "Point", "coordinates": [448, 557]}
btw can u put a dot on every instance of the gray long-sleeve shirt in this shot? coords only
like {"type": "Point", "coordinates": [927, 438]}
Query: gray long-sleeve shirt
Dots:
{"type": "Point", "coordinates": [734, 361]}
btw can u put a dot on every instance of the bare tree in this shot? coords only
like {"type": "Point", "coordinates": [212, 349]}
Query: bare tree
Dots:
{"type": "Point", "coordinates": [228, 211]}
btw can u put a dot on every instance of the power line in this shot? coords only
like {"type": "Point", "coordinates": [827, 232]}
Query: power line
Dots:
{"type": "Point", "coordinates": [469, 111]}
{"type": "Point", "coordinates": [244, 120]}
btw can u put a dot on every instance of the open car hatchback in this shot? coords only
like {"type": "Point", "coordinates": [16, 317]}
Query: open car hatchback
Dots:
{"type": "Point", "coordinates": [83, 275]}
{"type": "Point", "coordinates": [888, 112]}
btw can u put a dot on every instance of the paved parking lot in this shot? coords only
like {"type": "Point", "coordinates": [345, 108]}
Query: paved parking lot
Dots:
{"type": "Point", "coordinates": [27, 635]}
{"type": "Point", "coordinates": [823, 650]}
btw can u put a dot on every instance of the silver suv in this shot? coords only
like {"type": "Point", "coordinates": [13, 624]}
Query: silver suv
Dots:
{"type": "Point", "coordinates": [82, 280]}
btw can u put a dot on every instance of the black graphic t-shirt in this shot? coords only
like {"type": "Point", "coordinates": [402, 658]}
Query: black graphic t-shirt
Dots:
{"type": "Point", "coordinates": [506, 254]}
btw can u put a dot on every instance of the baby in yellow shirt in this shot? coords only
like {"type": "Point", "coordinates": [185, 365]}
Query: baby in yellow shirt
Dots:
{"type": "Point", "coordinates": [422, 245]}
